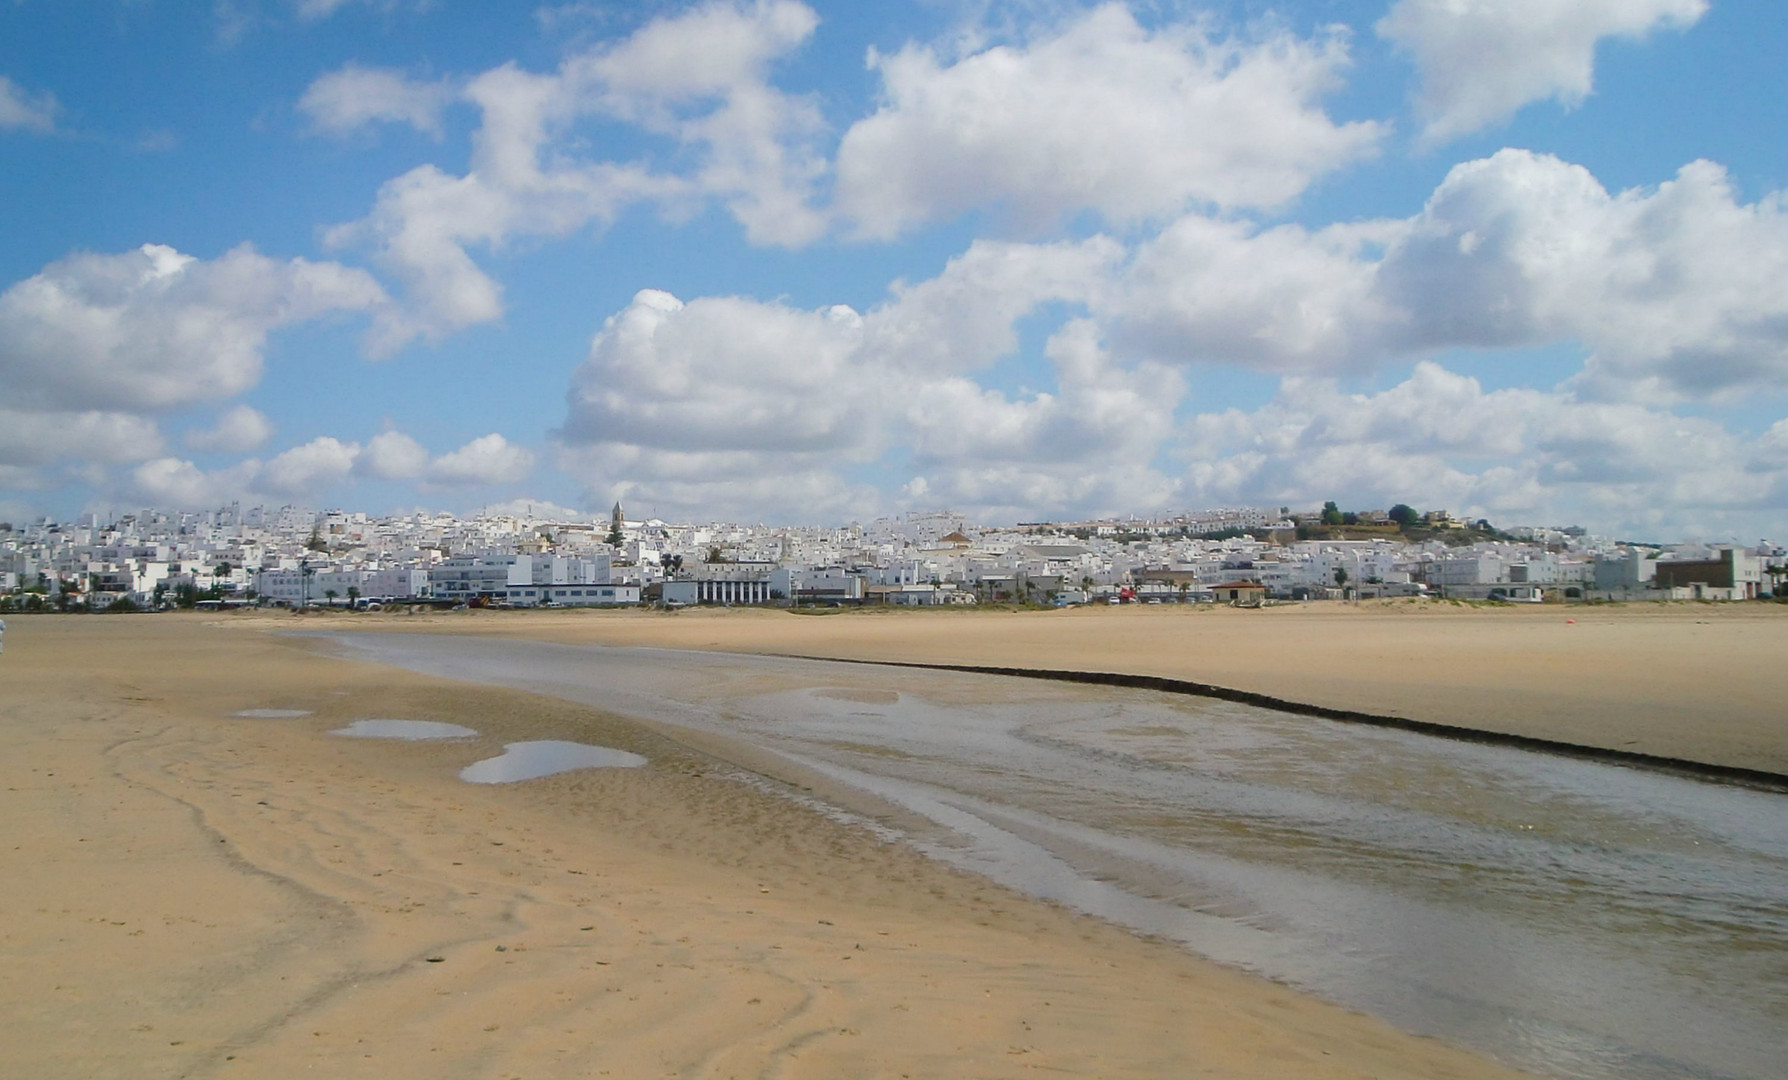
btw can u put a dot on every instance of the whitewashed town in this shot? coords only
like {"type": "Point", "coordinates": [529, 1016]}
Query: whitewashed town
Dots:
{"type": "Point", "coordinates": [298, 558]}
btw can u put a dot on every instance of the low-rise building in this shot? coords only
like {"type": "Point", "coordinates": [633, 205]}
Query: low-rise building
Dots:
{"type": "Point", "coordinates": [721, 583]}
{"type": "Point", "coordinates": [571, 595]}
{"type": "Point", "coordinates": [823, 585]}
{"type": "Point", "coordinates": [1734, 575]}
{"type": "Point", "coordinates": [1240, 593]}
{"type": "Point", "coordinates": [395, 584]}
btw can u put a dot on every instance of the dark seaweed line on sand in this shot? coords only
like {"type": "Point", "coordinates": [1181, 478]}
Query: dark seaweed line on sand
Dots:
{"type": "Point", "coordinates": [1700, 770]}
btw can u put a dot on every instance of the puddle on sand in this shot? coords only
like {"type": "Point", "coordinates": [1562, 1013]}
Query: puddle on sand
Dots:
{"type": "Point", "coordinates": [412, 730]}
{"type": "Point", "coordinates": [528, 760]}
{"type": "Point", "coordinates": [271, 714]}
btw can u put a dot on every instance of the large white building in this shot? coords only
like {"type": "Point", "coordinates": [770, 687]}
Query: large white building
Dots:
{"type": "Point", "coordinates": [528, 580]}
{"type": "Point", "coordinates": [465, 578]}
{"type": "Point", "coordinates": [571, 595]}
{"type": "Point", "coordinates": [304, 586]}
{"type": "Point", "coordinates": [718, 591]}
{"type": "Point", "coordinates": [722, 583]}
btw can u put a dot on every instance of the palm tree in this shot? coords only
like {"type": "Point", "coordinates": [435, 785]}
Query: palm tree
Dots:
{"type": "Point", "coordinates": [330, 593]}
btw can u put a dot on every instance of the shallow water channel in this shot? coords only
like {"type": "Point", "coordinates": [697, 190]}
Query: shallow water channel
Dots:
{"type": "Point", "coordinates": [1569, 917]}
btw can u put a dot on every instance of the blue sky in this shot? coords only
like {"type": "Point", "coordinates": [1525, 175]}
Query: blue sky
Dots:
{"type": "Point", "coordinates": [782, 261]}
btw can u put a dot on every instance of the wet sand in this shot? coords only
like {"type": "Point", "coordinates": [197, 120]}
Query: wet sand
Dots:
{"type": "Point", "coordinates": [189, 893]}
{"type": "Point", "coordinates": [1691, 681]}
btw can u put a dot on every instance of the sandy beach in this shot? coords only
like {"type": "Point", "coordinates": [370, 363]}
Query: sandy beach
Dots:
{"type": "Point", "coordinates": [1691, 681]}
{"type": "Point", "coordinates": [190, 893]}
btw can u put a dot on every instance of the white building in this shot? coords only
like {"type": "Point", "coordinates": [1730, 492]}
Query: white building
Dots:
{"type": "Point", "coordinates": [718, 591]}
{"type": "Point", "coordinates": [1471, 568]}
{"type": "Point", "coordinates": [572, 595]}
{"type": "Point", "coordinates": [820, 584]}
{"type": "Point", "coordinates": [306, 586]}
{"type": "Point", "coordinates": [395, 584]}
{"type": "Point", "coordinates": [464, 578]}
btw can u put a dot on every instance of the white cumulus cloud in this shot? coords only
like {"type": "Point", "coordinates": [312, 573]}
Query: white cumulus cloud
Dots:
{"type": "Point", "coordinates": [1099, 412]}
{"type": "Point", "coordinates": [1279, 299]}
{"type": "Point", "coordinates": [730, 403]}
{"type": "Point", "coordinates": [176, 482]}
{"type": "Point", "coordinates": [736, 486]}
{"type": "Point", "coordinates": [1672, 291]}
{"type": "Point", "coordinates": [310, 470]}
{"type": "Point", "coordinates": [1086, 447]}
{"type": "Point", "coordinates": [153, 328]}
{"type": "Point", "coordinates": [306, 469]}
{"type": "Point", "coordinates": [1481, 60]}
{"type": "Point", "coordinates": [1103, 115]}
{"type": "Point", "coordinates": [37, 438]}
{"type": "Point", "coordinates": [1439, 439]}
{"type": "Point", "coordinates": [350, 98]}
{"type": "Point", "coordinates": [965, 317]}
{"type": "Point", "coordinates": [236, 431]}
{"type": "Point", "coordinates": [698, 79]}
{"type": "Point", "coordinates": [392, 455]}
{"type": "Point", "coordinates": [721, 374]}
{"type": "Point", "coordinates": [489, 459]}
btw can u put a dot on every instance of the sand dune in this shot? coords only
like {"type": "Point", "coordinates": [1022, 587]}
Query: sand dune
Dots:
{"type": "Point", "coordinates": [188, 893]}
